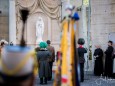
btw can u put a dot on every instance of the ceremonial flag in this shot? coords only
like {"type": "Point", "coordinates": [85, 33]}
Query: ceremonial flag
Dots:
{"type": "Point", "coordinates": [74, 78]}
{"type": "Point", "coordinates": [64, 49]}
{"type": "Point", "coordinates": [61, 73]}
{"type": "Point", "coordinates": [69, 65]}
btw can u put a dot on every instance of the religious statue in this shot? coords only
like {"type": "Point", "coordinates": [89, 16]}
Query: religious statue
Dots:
{"type": "Point", "coordinates": [39, 30]}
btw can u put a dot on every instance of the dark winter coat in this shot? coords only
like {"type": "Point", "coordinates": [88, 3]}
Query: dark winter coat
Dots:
{"type": "Point", "coordinates": [44, 68]}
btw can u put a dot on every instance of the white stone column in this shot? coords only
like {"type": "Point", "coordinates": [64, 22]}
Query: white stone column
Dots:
{"type": "Point", "coordinates": [83, 32]}
{"type": "Point", "coordinates": [12, 21]}
{"type": "Point", "coordinates": [49, 28]}
{"type": "Point", "coordinates": [83, 25]}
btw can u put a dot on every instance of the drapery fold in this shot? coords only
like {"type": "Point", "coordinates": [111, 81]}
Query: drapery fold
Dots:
{"type": "Point", "coordinates": [50, 7]}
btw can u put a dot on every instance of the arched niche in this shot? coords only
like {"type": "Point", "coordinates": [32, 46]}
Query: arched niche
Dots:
{"type": "Point", "coordinates": [31, 28]}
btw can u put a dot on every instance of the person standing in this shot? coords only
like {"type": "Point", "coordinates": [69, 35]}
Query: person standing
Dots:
{"type": "Point", "coordinates": [109, 60]}
{"type": "Point", "coordinates": [52, 59]}
{"type": "Point", "coordinates": [44, 69]}
{"type": "Point", "coordinates": [11, 44]}
{"type": "Point", "coordinates": [2, 44]}
{"type": "Point", "coordinates": [98, 66]}
{"type": "Point", "coordinates": [81, 52]}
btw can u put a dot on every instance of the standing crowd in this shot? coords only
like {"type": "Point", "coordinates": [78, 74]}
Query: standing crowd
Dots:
{"type": "Point", "coordinates": [45, 54]}
{"type": "Point", "coordinates": [26, 68]}
{"type": "Point", "coordinates": [104, 66]}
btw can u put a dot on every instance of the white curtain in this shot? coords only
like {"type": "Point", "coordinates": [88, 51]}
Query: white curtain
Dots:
{"type": "Point", "coordinates": [51, 7]}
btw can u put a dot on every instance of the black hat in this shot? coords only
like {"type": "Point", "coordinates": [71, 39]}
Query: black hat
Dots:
{"type": "Point", "coordinates": [48, 42]}
{"type": "Point", "coordinates": [110, 42]}
{"type": "Point", "coordinates": [81, 41]}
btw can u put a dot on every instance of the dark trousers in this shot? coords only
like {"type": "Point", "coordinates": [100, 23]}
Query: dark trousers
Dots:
{"type": "Point", "coordinates": [82, 71]}
{"type": "Point", "coordinates": [50, 64]}
{"type": "Point", "coordinates": [45, 80]}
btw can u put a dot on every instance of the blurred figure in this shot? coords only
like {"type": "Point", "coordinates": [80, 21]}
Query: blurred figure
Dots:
{"type": "Point", "coordinates": [37, 49]}
{"type": "Point", "coordinates": [11, 44]}
{"type": "Point", "coordinates": [81, 52]}
{"type": "Point", "coordinates": [17, 67]}
{"type": "Point", "coordinates": [113, 65]}
{"type": "Point", "coordinates": [44, 69]}
{"type": "Point", "coordinates": [2, 45]}
{"type": "Point", "coordinates": [58, 55]}
{"type": "Point", "coordinates": [4, 41]}
{"type": "Point", "coordinates": [98, 55]}
{"type": "Point", "coordinates": [1, 48]}
{"type": "Point", "coordinates": [52, 59]}
{"type": "Point", "coordinates": [109, 60]}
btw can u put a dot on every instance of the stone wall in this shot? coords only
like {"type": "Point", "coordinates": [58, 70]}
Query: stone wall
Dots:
{"type": "Point", "coordinates": [49, 11]}
{"type": "Point", "coordinates": [4, 32]}
{"type": "Point", "coordinates": [102, 21]}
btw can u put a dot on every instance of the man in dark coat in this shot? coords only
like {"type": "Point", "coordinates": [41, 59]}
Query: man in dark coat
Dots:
{"type": "Point", "coordinates": [81, 52]}
{"type": "Point", "coordinates": [44, 69]}
{"type": "Point", "coordinates": [52, 59]}
{"type": "Point", "coordinates": [109, 60]}
{"type": "Point", "coordinates": [98, 55]}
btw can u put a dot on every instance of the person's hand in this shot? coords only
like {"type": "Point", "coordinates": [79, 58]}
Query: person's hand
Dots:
{"type": "Point", "coordinates": [94, 57]}
{"type": "Point", "coordinates": [97, 56]}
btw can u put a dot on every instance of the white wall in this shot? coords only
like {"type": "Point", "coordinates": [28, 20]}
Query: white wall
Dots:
{"type": "Point", "coordinates": [102, 21]}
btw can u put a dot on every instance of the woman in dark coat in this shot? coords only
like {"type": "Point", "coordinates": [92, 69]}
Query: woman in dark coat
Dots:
{"type": "Point", "coordinates": [44, 69]}
{"type": "Point", "coordinates": [109, 60]}
{"type": "Point", "coordinates": [98, 67]}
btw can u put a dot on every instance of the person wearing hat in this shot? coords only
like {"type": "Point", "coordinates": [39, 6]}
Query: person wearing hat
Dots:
{"type": "Point", "coordinates": [81, 51]}
{"type": "Point", "coordinates": [44, 69]}
{"type": "Point", "coordinates": [17, 66]}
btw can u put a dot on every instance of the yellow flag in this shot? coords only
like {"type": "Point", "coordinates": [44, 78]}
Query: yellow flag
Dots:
{"type": "Point", "coordinates": [64, 48]}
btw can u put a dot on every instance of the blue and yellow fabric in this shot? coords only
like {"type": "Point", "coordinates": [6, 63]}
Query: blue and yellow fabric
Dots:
{"type": "Point", "coordinates": [17, 60]}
